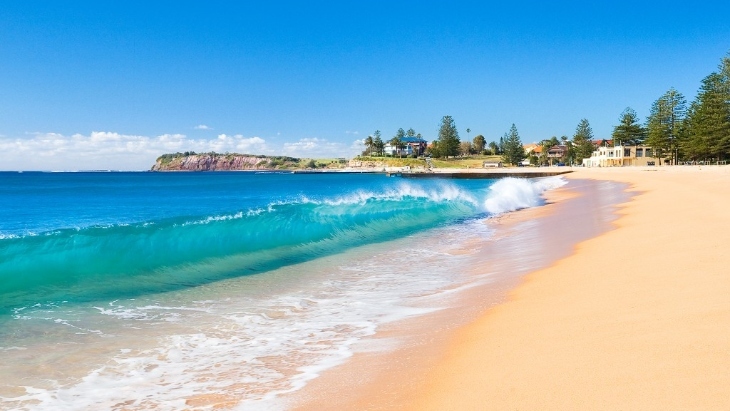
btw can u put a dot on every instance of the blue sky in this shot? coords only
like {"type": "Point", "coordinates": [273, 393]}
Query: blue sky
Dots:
{"type": "Point", "coordinates": [87, 85]}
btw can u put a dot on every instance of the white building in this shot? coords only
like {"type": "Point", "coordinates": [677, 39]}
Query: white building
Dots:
{"type": "Point", "coordinates": [622, 156]}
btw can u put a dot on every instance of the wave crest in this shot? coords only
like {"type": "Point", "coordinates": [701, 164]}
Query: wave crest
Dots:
{"type": "Point", "coordinates": [511, 194]}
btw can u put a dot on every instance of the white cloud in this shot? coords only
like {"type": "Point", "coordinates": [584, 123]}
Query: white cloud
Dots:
{"type": "Point", "coordinates": [317, 148]}
{"type": "Point", "coordinates": [109, 150]}
{"type": "Point", "coordinates": [202, 127]}
{"type": "Point", "coordinates": [352, 132]}
{"type": "Point", "coordinates": [358, 145]}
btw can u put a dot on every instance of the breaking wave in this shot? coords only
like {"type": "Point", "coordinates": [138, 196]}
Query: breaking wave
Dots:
{"type": "Point", "coordinates": [154, 256]}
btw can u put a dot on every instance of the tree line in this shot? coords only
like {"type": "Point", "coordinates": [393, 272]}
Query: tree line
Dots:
{"type": "Point", "coordinates": [375, 145]}
{"type": "Point", "coordinates": [678, 132]}
{"type": "Point", "coordinates": [447, 144]}
{"type": "Point", "coordinates": [674, 130]}
{"type": "Point", "coordinates": [700, 131]}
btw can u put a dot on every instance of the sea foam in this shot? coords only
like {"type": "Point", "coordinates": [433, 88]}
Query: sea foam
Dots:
{"type": "Point", "coordinates": [511, 194]}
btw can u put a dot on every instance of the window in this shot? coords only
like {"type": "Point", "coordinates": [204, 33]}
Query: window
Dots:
{"type": "Point", "coordinates": [627, 152]}
{"type": "Point", "coordinates": [639, 152]}
{"type": "Point", "coordinates": [649, 153]}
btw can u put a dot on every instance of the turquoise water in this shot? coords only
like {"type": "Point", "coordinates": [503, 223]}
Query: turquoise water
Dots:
{"type": "Point", "coordinates": [85, 236]}
{"type": "Point", "coordinates": [148, 289]}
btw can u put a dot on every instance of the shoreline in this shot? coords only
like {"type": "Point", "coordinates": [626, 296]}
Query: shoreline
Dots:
{"type": "Point", "coordinates": [387, 379]}
{"type": "Point", "coordinates": [636, 318]}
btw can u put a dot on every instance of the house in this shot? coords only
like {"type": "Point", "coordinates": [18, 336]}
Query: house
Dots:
{"type": "Point", "coordinates": [557, 152]}
{"type": "Point", "coordinates": [602, 143]}
{"type": "Point", "coordinates": [530, 148]}
{"type": "Point", "coordinates": [622, 156]}
{"type": "Point", "coordinates": [552, 155]}
{"type": "Point", "coordinates": [412, 145]}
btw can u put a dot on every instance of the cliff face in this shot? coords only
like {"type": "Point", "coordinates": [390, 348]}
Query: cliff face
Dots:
{"type": "Point", "coordinates": [218, 162]}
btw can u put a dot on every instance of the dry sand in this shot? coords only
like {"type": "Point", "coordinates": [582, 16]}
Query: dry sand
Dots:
{"type": "Point", "coordinates": [636, 319]}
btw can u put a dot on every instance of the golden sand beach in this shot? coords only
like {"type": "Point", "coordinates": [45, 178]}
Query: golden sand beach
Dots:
{"type": "Point", "coordinates": [637, 318]}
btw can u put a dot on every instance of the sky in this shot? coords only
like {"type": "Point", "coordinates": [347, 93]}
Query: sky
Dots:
{"type": "Point", "coordinates": [113, 85]}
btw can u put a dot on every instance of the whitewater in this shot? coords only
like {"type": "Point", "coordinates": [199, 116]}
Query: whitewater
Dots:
{"type": "Point", "coordinates": [157, 291]}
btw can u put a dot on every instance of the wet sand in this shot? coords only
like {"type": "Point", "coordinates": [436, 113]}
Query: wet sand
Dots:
{"type": "Point", "coordinates": [637, 318]}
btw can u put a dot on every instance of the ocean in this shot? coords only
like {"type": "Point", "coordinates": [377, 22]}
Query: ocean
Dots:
{"type": "Point", "coordinates": [159, 290]}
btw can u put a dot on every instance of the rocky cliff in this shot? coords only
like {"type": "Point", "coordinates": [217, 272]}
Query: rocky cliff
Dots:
{"type": "Point", "coordinates": [221, 162]}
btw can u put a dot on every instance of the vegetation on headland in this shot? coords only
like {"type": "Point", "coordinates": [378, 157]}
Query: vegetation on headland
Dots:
{"type": "Point", "coordinates": [212, 161]}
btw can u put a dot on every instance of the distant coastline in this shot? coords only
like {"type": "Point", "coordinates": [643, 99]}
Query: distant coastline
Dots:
{"type": "Point", "coordinates": [191, 161]}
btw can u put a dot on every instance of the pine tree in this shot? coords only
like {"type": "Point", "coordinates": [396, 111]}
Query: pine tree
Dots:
{"type": "Point", "coordinates": [448, 137]}
{"type": "Point", "coordinates": [583, 141]}
{"type": "Point", "coordinates": [514, 152]}
{"type": "Point", "coordinates": [629, 131]}
{"type": "Point", "coordinates": [378, 144]}
{"type": "Point", "coordinates": [665, 123]}
{"type": "Point", "coordinates": [708, 121]}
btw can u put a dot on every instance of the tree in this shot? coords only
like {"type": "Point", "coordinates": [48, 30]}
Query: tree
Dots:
{"type": "Point", "coordinates": [368, 145]}
{"type": "Point", "coordinates": [434, 149]}
{"type": "Point", "coordinates": [570, 154]}
{"type": "Point", "coordinates": [411, 133]}
{"type": "Point", "coordinates": [397, 143]}
{"type": "Point", "coordinates": [479, 142]}
{"type": "Point", "coordinates": [448, 137]}
{"type": "Point", "coordinates": [664, 124]}
{"type": "Point", "coordinates": [378, 144]}
{"type": "Point", "coordinates": [465, 148]}
{"type": "Point", "coordinates": [707, 126]}
{"type": "Point", "coordinates": [514, 152]}
{"type": "Point", "coordinates": [628, 131]}
{"type": "Point", "coordinates": [494, 148]}
{"type": "Point", "coordinates": [545, 145]}
{"type": "Point", "coordinates": [400, 133]}
{"type": "Point", "coordinates": [583, 141]}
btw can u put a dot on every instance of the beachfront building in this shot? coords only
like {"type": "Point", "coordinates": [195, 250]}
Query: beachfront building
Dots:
{"type": "Point", "coordinates": [530, 151]}
{"type": "Point", "coordinates": [411, 146]}
{"type": "Point", "coordinates": [544, 155]}
{"type": "Point", "coordinates": [557, 154]}
{"type": "Point", "coordinates": [622, 156]}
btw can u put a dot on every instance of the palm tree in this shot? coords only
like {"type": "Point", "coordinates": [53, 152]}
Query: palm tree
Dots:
{"type": "Point", "coordinates": [396, 143]}
{"type": "Point", "coordinates": [400, 145]}
{"type": "Point", "coordinates": [369, 144]}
